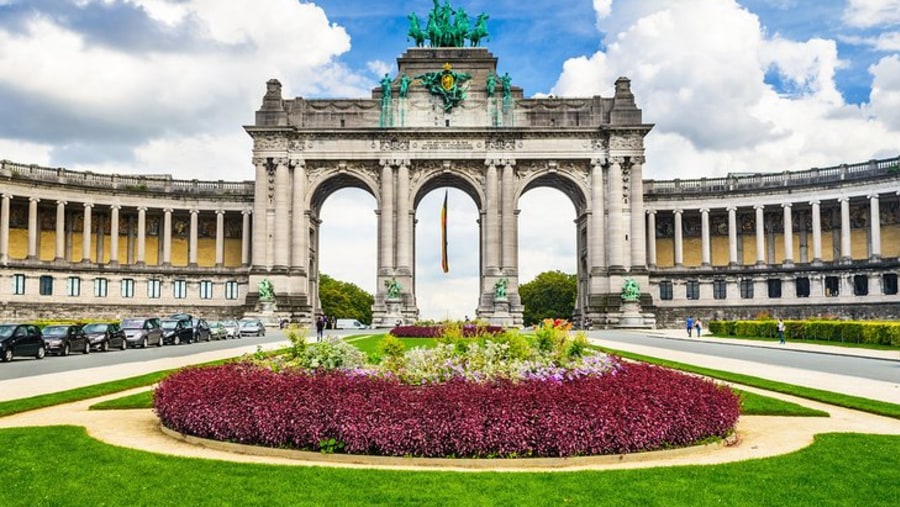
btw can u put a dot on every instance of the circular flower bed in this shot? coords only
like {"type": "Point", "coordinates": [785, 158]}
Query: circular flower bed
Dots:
{"type": "Point", "coordinates": [633, 407]}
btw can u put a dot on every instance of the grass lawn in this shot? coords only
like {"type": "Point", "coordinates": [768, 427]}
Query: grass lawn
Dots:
{"type": "Point", "coordinates": [63, 466]}
{"type": "Point", "coordinates": [849, 345]}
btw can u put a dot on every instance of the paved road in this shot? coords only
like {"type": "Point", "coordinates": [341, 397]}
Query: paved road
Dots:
{"type": "Point", "coordinates": [22, 367]}
{"type": "Point", "coordinates": [860, 367]}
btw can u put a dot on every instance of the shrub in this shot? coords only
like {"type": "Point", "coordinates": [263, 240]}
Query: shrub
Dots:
{"type": "Point", "coordinates": [639, 408]}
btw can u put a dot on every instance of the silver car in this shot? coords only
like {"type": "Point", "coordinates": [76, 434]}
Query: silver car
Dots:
{"type": "Point", "coordinates": [142, 331]}
{"type": "Point", "coordinates": [252, 327]}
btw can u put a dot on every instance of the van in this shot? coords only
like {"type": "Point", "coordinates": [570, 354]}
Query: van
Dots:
{"type": "Point", "coordinates": [349, 324]}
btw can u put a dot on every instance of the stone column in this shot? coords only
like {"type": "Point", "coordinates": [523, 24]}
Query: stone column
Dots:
{"type": "Point", "coordinates": [615, 229]}
{"type": "Point", "coordinates": [60, 231]}
{"type": "Point", "coordinates": [846, 253]}
{"type": "Point", "coordinates": [638, 243]}
{"type": "Point", "coordinates": [760, 235]}
{"type": "Point", "coordinates": [404, 239]}
{"type": "Point", "coordinates": [114, 234]}
{"type": "Point", "coordinates": [788, 235]}
{"type": "Point", "coordinates": [491, 220]}
{"type": "Point", "coordinates": [245, 238]}
{"type": "Point", "coordinates": [596, 223]}
{"type": "Point", "coordinates": [874, 228]}
{"type": "Point", "coordinates": [258, 256]}
{"type": "Point", "coordinates": [99, 243]}
{"type": "Point", "coordinates": [192, 242]}
{"type": "Point", "coordinates": [282, 213]}
{"type": "Point", "coordinates": [679, 239]}
{"type": "Point", "coordinates": [816, 232]}
{"type": "Point", "coordinates": [86, 234]}
{"type": "Point", "coordinates": [651, 238]}
{"type": "Point", "coordinates": [4, 228]}
{"type": "Point", "coordinates": [220, 238]}
{"type": "Point", "coordinates": [508, 219]}
{"type": "Point", "coordinates": [386, 221]}
{"type": "Point", "coordinates": [299, 228]}
{"type": "Point", "coordinates": [706, 251]}
{"type": "Point", "coordinates": [141, 236]}
{"type": "Point", "coordinates": [167, 237]}
{"type": "Point", "coordinates": [32, 227]}
{"type": "Point", "coordinates": [732, 236]}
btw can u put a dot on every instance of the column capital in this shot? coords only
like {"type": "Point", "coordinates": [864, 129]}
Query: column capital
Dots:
{"type": "Point", "coordinates": [598, 161]}
{"type": "Point", "coordinates": [508, 162]}
{"type": "Point", "coordinates": [843, 198]}
{"type": "Point", "coordinates": [815, 202]}
{"type": "Point", "coordinates": [651, 212]}
{"type": "Point", "coordinates": [194, 211]}
{"type": "Point", "coordinates": [297, 161]}
{"type": "Point", "coordinates": [637, 160]}
{"type": "Point", "coordinates": [60, 202]}
{"type": "Point", "coordinates": [786, 204]}
{"type": "Point", "coordinates": [873, 195]}
{"type": "Point", "coordinates": [247, 212]}
{"type": "Point", "coordinates": [704, 210]}
{"type": "Point", "coordinates": [258, 161]}
{"type": "Point", "coordinates": [7, 195]}
{"type": "Point", "coordinates": [616, 161]}
{"type": "Point", "coordinates": [88, 205]}
{"type": "Point", "coordinates": [142, 209]}
{"type": "Point", "coordinates": [220, 211]}
{"type": "Point", "coordinates": [34, 199]}
{"type": "Point", "coordinates": [759, 207]}
{"type": "Point", "coordinates": [731, 209]}
{"type": "Point", "coordinates": [168, 210]}
{"type": "Point", "coordinates": [280, 161]}
{"type": "Point", "coordinates": [677, 211]}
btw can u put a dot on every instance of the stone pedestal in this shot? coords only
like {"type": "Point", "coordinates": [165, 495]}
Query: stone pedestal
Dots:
{"type": "Point", "coordinates": [393, 315]}
{"type": "Point", "coordinates": [631, 317]}
{"type": "Point", "coordinates": [501, 315]}
{"type": "Point", "coordinates": [267, 312]}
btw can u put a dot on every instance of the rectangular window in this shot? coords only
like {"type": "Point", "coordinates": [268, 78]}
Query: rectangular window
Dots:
{"type": "Point", "coordinates": [127, 288]}
{"type": "Point", "coordinates": [832, 286]}
{"type": "Point", "coordinates": [802, 287]}
{"type": "Point", "coordinates": [692, 289]}
{"type": "Point", "coordinates": [889, 284]}
{"type": "Point", "coordinates": [774, 288]}
{"type": "Point", "coordinates": [747, 288]}
{"type": "Point", "coordinates": [18, 284]}
{"type": "Point", "coordinates": [720, 289]}
{"type": "Point", "coordinates": [46, 285]}
{"type": "Point", "coordinates": [665, 291]}
{"type": "Point", "coordinates": [154, 288]}
{"type": "Point", "coordinates": [231, 290]}
{"type": "Point", "coordinates": [73, 286]}
{"type": "Point", "coordinates": [179, 289]}
{"type": "Point", "coordinates": [101, 287]}
{"type": "Point", "coordinates": [860, 285]}
{"type": "Point", "coordinates": [206, 289]}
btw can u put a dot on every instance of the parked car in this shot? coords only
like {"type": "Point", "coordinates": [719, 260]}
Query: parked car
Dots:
{"type": "Point", "coordinates": [217, 330]}
{"type": "Point", "coordinates": [142, 331]}
{"type": "Point", "coordinates": [253, 327]}
{"type": "Point", "coordinates": [202, 332]}
{"type": "Point", "coordinates": [232, 329]}
{"type": "Point", "coordinates": [104, 336]}
{"type": "Point", "coordinates": [63, 339]}
{"type": "Point", "coordinates": [176, 332]}
{"type": "Point", "coordinates": [21, 340]}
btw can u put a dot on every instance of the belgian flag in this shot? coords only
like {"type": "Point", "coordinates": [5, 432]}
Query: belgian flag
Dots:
{"type": "Point", "coordinates": [444, 264]}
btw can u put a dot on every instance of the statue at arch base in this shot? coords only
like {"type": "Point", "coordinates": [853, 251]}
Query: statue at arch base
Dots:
{"type": "Point", "coordinates": [394, 306]}
{"type": "Point", "coordinates": [630, 315]}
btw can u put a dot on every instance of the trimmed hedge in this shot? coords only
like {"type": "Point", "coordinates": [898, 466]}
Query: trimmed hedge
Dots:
{"type": "Point", "coordinates": [640, 408]}
{"type": "Point", "coordinates": [875, 333]}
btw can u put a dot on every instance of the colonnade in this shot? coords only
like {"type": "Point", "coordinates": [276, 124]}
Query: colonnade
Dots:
{"type": "Point", "coordinates": [93, 216]}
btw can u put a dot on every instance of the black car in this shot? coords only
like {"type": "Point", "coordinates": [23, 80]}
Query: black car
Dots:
{"type": "Point", "coordinates": [202, 331]}
{"type": "Point", "coordinates": [104, 336]}
{"type": "Point", "coordinates": [21, 340]}
{"type": "Point", "coordinates": [177, 331]}
{"type": "Point", "coordinates": [63, 339]}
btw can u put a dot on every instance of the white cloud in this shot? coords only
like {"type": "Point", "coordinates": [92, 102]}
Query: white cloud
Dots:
{"type": "Point", "coordinates": [885, 98]}
{"type": "Point", "coordinates": [603, 8]}
{"type": "Point", "coordinates": [698, 70]}
{"type": "Point", "coordinates": [378, 67]}
{"type": "Point", "coordinates": [869, 13]}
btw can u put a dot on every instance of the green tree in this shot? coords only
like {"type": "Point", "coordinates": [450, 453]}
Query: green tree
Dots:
{"type": "Point", "coordinates": [345, 300]}
{"type": "Point", "coordinates": [551, 295]}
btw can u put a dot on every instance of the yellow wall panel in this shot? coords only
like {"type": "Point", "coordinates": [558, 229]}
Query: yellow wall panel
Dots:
{"type": "Point", "coordinates": [692, 252]}
{"type": "Point", "coordinates": [890, 240]}
{"type": "Point", "coordinates": [233, 252]}
{"type": "Point", "coordinates": [206, 252]}
{"type": "Point", "coordinates": [179, 252]}
{"type": "Point", "coordinates": [749, 243]}
{"type": "Point", "coordinates": [77, 243]}
{"type": "Point", "coordinates": [18, 243]}
{"type": "Point", "coordinates": [47, 250]}
{"type": "Point", "coordinates": [719, 247]}
{"type": "Point", "coordinates": [151, 254]}
{"type": "Point", "coordinates": [665, 253]}
{"type": "Point", "coordinates": [859, 244]}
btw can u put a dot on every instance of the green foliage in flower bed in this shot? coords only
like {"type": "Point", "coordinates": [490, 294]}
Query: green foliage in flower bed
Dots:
{"type": "Point", "coordinates": [869, 333]}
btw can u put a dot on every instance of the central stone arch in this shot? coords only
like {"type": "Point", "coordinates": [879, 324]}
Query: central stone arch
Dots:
{"type": "Point", "coordinates": [493, 144]}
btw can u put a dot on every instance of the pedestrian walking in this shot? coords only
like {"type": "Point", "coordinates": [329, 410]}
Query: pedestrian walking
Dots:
{"type": "Point", "coordinates": [780, 331]}
{"type": "Point", "coordinates": [690, 325]}
{"type": "Point", "coordinates": [320, 327]}
{"type": "Point", "coordinates": [698, 326]}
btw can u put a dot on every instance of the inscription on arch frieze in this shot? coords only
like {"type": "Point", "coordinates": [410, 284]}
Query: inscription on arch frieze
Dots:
{"type": "Point", "coordinates": [629, 141]}
{"type": "Point", "coordinates": [270, 142]}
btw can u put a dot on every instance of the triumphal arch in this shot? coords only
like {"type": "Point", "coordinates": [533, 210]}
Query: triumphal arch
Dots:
{"type": "Point", "coordinates": [450, 117]}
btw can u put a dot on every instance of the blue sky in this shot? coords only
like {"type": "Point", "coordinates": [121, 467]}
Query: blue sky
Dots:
{"type": "Point", "coordinates": [165, 86]}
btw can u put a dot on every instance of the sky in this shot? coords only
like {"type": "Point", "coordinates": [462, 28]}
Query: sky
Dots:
{"type": "Point", "coordinates": [165, 86]}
